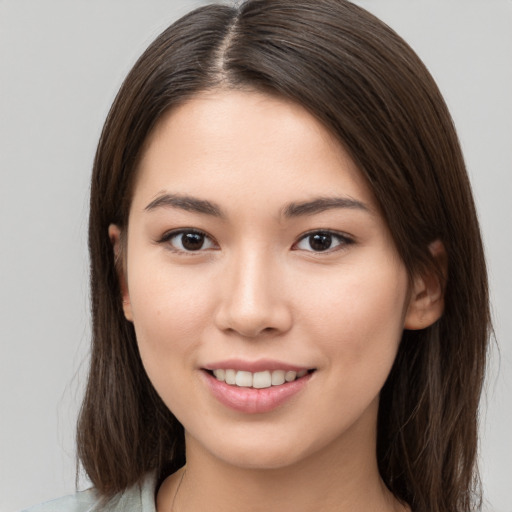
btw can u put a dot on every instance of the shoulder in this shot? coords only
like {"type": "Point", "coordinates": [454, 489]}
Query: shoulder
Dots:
{"type": "Point", "coordinates": [138, 498]}
{"type": "Point", "coordinates": [79, 502]}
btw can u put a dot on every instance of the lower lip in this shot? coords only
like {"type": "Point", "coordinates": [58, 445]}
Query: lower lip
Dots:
{"type": "Point", "coordinates": [251, 400]}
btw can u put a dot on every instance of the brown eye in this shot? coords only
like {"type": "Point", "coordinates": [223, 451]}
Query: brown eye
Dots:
{"type": "Point", "coordinates": [192, 241]}
{"type": "Point", "coordinates": [188, 241]}
{"type": "Point", "coordinates": [323, 241]}
{"type": "Point", "coordinates": [320, 241]}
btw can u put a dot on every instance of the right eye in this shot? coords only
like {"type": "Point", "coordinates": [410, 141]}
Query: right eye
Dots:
{"type": "Point", "coordinates": [188, 240]}
{"type": "Point", "coordinates": [323, 241]}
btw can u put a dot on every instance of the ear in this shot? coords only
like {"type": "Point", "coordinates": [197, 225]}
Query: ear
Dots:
{"type": "Point", "coordinates": [426, 304]}
{"type": "Point", "coordinates": [114, 233]}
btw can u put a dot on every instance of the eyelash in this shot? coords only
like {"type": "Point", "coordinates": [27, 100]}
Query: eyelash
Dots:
{"type": "Point", "coordinates": [167, 237]}
{"type": "Point", "coordinates": [343, 241]}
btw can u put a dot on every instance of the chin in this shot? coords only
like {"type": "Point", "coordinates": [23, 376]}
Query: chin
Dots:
{"type": "Point", "coordinates": [261, 458]}
{"type": "Point", "coordinates": [257, 450]}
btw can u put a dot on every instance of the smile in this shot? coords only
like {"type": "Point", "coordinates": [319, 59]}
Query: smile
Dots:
{"type": "Point", "coordinates": [267, 387]}
{"type": "Point", "coordinates": [257, 380]}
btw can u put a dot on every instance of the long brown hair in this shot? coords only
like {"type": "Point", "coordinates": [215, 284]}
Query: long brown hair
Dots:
{"type": "Point", "coordinates": [374, 94]}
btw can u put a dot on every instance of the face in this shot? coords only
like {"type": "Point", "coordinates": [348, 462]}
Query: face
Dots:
{"type": "Point", "coordinates": [267, 296]}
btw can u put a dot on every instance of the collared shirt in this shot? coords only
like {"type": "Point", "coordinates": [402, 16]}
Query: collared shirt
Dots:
{"type": "Point", "coordinates": [138, 498]}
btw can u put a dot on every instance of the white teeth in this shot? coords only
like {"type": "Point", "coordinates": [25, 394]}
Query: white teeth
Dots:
{"type": "Point", "coordinates": [243, 379]}
{"type": "Point", "coordinates": [278, 377]}
{"type": "Point", "coordinates": [220, 374]}
{"type": "Point", "coordinates": [289, 376]}
{"type": "Point", "coordinates": [261, 380]}
{"type": "Point", "coordinates": [230, 377]}
{"type": "Point", "coordinates": [257, 380]}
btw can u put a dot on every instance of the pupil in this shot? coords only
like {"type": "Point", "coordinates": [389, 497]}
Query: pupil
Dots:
{"type": "Point", "coordinates": [192, 241]}
{"type": "Point", "coordinates": [320, 241]}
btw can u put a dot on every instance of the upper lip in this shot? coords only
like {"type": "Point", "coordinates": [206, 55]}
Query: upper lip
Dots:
{"type": "Point", "coordinates": [254, 366]}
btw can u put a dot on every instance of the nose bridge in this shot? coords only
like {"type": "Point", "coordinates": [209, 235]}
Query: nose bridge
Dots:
{"type": "Point", "coordinates": [254, 298]}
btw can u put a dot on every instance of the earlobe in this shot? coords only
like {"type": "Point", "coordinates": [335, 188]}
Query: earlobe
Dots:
{"type": "Point", "coordinates": [114, 233]}
{"type": "Point", "coordinates": [426, 304]}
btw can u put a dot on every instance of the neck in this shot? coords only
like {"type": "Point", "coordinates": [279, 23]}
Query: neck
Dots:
{"type": "Point", "coordinates": [343, 476]}
{"type": "Point", "coordinates": [300, 488]}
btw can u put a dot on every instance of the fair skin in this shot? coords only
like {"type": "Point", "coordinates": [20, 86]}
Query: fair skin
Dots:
{"type": "Point", "coordinates": [289, 266]}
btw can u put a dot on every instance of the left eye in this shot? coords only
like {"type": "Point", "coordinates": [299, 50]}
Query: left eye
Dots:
{"type": "Point", "coordinates": [189, 241]}
{"type": "Point", "coordinates": [322, 241]}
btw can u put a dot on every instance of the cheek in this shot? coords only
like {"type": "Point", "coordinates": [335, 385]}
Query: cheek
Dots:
{"type": "Point", "coordinates": [358, 318]}
{"type": "Point", "coordinates": [169, 319]}
{"type": "Point", "coordinates": [169, 316]}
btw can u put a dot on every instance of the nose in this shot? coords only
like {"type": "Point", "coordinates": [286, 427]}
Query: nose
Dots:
{"type": "Point", "coordinates": [254, 300]}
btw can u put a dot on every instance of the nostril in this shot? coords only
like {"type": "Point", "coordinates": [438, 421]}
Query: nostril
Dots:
{"type": "Point", "coordinates": [248, 332]}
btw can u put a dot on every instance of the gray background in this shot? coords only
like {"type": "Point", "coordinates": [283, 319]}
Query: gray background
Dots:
{"type": "Point", "coordinates": [61, 63]}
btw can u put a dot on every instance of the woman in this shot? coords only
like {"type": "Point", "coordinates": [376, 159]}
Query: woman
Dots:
{"type": "Point", "coordinates": [290, 301]}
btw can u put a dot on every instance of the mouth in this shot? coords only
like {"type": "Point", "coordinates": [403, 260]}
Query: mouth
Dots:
{"type": "Point", "coordinates": [258, 386]}
{"type": "Point", "coordinates": [257, 380]}
{"type": "Point", "coordinates": [256, 392]}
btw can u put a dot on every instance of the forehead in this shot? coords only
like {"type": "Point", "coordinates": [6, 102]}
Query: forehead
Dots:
{"type": "Point", "coordinates": [233, 142]}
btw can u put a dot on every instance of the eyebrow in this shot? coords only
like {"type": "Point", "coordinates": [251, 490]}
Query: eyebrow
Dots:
{"type": "Point", "coordinates": [322, 204]}
{"type": "Point", "coordinates": [294, 209]}
{"type": "Point", "coordinates": [184, 202]}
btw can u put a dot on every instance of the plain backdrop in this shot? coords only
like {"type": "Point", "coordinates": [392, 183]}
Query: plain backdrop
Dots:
{"type": "Point", "coordinates": [61, 63]}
